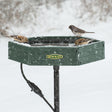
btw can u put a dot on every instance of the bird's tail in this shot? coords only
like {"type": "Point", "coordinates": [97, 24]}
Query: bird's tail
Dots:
{"type": "Point", "coordinates": [90, 41]}
{"type": "Point", "coordinates": [90, 32]}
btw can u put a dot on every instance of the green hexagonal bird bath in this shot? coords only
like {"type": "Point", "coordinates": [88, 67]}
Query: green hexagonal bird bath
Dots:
{"type": "Point", "coordinates": [56, 51]}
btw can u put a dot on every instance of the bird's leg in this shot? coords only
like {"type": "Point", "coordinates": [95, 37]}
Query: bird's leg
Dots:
{"type": "Point", "coordinates": [78, 34]}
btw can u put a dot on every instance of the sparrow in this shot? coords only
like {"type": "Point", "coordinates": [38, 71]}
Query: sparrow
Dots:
{"type": "Point", "coordinates": [19, 38]}
{"type": "Point", "coordinates": [77, 31]}
{"type": "Point", "coordinates": [83, 41]}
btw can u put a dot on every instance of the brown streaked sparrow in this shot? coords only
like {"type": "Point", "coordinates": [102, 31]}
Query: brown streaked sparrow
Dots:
{"type": "Point", "coordinates": [19, 38]}
{"type": "Point", "coordinates": [83, 41]}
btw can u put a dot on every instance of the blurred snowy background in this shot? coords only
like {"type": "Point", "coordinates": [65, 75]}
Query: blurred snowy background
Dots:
{"type": "Point", "coordinates": [86, 88]}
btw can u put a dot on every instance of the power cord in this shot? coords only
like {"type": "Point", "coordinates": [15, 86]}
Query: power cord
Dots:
{"type": "Point", "coordinates": [34, 87]}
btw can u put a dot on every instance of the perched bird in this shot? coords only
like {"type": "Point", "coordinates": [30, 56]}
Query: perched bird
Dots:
{"type": "Point", "coordinates": [77, 31]}
{"type": "Point", "coordinates": [19, 38]}
{"type": "Point", "coordinates": [83, 41]}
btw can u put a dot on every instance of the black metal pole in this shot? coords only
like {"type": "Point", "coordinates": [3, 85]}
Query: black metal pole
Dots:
{"type": "Point", "coordinates": [56, 89]}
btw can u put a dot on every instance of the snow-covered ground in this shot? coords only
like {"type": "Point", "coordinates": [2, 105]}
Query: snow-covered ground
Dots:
{"type": "Point", "coordinates": [86, 88]}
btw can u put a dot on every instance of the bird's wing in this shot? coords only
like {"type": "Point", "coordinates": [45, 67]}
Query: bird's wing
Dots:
{"type": "Point", "coordinates": [80, 30]}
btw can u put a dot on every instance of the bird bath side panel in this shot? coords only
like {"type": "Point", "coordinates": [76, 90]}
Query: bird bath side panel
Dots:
{"type": "Point", "coordinates": [18, 52]}
{"type": "Point", "coordinates": [91, 53]}
{"type": "Point", "coordinates": [53, 56]}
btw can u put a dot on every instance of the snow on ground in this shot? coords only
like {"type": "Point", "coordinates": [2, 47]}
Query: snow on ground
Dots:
{"type": "Point", "coordinates": [86, 88]}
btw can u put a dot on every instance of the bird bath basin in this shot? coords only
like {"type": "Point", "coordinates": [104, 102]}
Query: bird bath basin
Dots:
{"type": "Point", "coordinates": [57, 50]}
